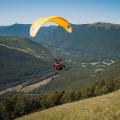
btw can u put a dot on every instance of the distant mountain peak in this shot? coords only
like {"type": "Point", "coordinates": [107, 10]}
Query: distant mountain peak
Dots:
{"type": "Point", "coordinates": [105, 25]}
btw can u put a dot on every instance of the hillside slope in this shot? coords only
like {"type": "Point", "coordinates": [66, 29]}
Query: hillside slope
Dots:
{"type": "Point", "coordinates": [86, 43]}
{"type": "Point", "coordinates": [25, 45]}
{"type": "Point", "coordinates": [24, 31]}
{"type": "Point", "coordinates": [90, 42]}
{"type": "Point", "coordinates": [22, 60]}
{"type": "Point", "coordinates": [97, 108]}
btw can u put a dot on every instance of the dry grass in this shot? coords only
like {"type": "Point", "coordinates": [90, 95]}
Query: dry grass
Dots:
{"type": "Point", "coordinates": [26, 50]}
{"type": "Point", "coordinates": [31, 50]}
{"type": "Point", "coordinates": [106, 107]}
{"type": "Point", "coordinates": [98, 70]}
{"type": "Point", "coordinates": [2, 92]}
{"type": "Point", "coordinates": [18, 87]}
{"type": "Point", "coordinates": [7, 46]}
{"type": "Point", "coordinates": [94, 63]}
{"type": "Point", "coordinates": [33, 86]}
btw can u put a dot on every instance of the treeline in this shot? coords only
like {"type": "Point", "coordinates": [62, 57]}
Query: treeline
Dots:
{"type": "Point", "coordinates": [11, 108]}
{"type": "Point", "coordinates": [18, 94]}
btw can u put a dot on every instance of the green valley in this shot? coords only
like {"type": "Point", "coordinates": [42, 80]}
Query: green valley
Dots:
{"type": "Point", "coordinates": [76, 82]}
{"type": "Point", "coordinates": [26, 70]}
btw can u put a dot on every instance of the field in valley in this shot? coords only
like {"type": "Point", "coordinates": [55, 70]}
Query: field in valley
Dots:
{"type": "Point", "coordinates": [33, 86]}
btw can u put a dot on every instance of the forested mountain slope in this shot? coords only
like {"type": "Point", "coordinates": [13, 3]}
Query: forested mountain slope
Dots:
{"type": "Point", "coordinates": [90, 42]}
{"type": "Point", "coordinates": [25, 45]}
{"type": "Point", "coordinates": [22, 60]}
{"type": "Point", "coordinates": [24, 31]}
{"type": "Point", "coordinates": [87, 42]}
{"type": "Point", "coordinates": [76, 82]}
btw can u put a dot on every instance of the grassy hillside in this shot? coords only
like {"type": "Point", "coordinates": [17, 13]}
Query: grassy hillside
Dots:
{"type": "Point", "coordinates": [11, 108]}
{"type": "Point", "coordinates": [97, 108]}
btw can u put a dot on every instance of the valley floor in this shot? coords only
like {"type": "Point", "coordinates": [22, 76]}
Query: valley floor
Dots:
{"type": "Point", "coordinates": [36, 85]}
{"type": "Point", "coordinates": [105, 107]}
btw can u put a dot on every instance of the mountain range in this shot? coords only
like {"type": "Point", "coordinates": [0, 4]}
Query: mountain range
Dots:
{"type": "Point", "coordinates": [91, 42]}
{"type": "Point", "coordinates": [23, 31]}
{"type": "Point", "coordinates": [87, 42]}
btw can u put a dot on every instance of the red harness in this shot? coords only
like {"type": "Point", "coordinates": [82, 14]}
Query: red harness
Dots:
{"type": "Point", "coordinates": [57, 66]}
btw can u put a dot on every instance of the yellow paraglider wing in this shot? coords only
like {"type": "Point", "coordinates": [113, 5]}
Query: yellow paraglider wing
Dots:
{"type": "Point", "coordinates": [58, 20]}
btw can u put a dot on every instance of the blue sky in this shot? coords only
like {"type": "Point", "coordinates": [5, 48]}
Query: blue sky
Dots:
{"type": "Point", "coordinates": [75, 11]}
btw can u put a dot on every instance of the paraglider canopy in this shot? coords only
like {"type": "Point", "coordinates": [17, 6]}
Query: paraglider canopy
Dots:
{"type": "Point", "coordinates": [56, 19]}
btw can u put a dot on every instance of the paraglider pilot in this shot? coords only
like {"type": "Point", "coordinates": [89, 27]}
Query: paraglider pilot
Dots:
{"type": "Point", "coordinates": [59, 64]}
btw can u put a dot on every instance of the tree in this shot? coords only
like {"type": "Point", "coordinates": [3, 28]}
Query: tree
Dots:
{"type": "Point", "coordinates": [86, 93]}
{"type": "Point", "coordinates": [71, 96]}
{"type": "Point", "coordinates": [116, 83]}
{"type": "Point", "coordinates": [22, 107]}
{"type": "Point", "coordinates": [77, 95]}
{"type": "Point", "coordinates": [64, 98]}
{"type": "Point", "coordinates": [34, 103]}
{"type": "Point", "coordinates": [104, 90]}
{"type": "Point", "coordinates": [8, 107]}
{"type": "Point", "coordinates": [54, 99]}
{"type": "Point", "coordinates": [1, 112]}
